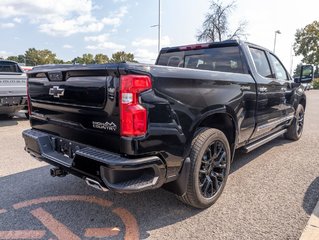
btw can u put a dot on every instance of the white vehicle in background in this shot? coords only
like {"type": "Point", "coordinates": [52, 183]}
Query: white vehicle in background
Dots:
{"type": "Point", "coordinates": [13, 91]}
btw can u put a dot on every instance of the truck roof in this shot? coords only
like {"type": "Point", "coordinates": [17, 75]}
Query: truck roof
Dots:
{"type": "Point", "coordinates": [7, 61]}
{"type": "Point", "coordinates": [229, 42]}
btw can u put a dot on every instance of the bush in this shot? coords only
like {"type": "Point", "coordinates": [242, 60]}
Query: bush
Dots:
{"type": "Point", "coordinates": [316, 83]}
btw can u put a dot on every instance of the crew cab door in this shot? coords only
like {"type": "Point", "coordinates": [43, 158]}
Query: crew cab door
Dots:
{"type": "Point", "coordinates": [270, 94]}
{"type": "Point", "coordinates": [286, 82]}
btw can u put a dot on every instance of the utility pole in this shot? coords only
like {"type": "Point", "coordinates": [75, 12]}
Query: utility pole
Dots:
{"type": "Point", "coordinates": [291, 58]}
{"type": "Point", "coordinates": [158, 25]}
{"type": "Point", "coordinates": [276, 32]}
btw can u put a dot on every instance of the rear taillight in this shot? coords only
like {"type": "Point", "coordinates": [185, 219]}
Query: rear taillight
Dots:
{"type": "Point", "coordinates": [28, 98]}
{"type": "Point", "coordinates": [133, 116]}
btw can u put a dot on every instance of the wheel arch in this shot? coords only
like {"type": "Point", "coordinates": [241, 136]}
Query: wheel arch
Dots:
{"type": "Point", "coordinates": [303, 102]}
{"type": "Point", "coordinates": [223, 119]}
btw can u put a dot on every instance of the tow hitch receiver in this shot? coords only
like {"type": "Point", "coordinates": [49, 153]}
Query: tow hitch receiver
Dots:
{"type": "Point", "coordinates": [57, 172]}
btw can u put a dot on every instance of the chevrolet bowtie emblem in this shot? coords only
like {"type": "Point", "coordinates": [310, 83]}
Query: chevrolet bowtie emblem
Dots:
{"type": "Point", "coordinates": [56, 91]}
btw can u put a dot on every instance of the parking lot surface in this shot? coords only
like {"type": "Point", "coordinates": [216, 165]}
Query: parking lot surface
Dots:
{"type": "Point", "coordinates": [269, 195]}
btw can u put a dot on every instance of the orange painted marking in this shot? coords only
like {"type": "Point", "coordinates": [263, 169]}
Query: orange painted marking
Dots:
{"type": "Point", "coordinates": [3, 211]}
{"type": "Point", "coordinates": [89, 199]}
{"type": "Point", "coordinates": [23, 234]}
{"type": "Point", "coordinates": [130, 223]}
{"type": "Point", "coordinates": [62, 232]}
{"type": "Point", "coordinates": [57, 228]}
{"type": "Point", "coordinates": [101, 232]}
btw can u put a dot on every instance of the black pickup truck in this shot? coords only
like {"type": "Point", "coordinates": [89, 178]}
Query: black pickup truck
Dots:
{"type": "Point", "coordinates": [131, 127]}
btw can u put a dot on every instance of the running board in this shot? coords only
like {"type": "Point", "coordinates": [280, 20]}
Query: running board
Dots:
{"type": "Point", "coordinates": [257, 144]}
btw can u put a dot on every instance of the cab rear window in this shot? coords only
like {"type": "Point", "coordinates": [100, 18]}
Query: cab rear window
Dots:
{"type": "Point", "coordinates": [223, 59]}
{"type": "Point", "coordinates": [9, 67]}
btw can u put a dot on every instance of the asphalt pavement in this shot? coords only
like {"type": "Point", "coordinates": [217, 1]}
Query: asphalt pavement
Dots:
{"type": "Point", "coordinates": [270, 194]}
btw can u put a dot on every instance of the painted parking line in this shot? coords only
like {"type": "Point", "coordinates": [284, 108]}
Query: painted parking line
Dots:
{"type": "Point", "coordinates": [55, 227]}
{"type": "Point", "coordinates": [2, 211]}
{"type": "Point", "coordinates": [61, 231]}
{"type": "Point", "coordinates": [101, 232]}
{"type": "Point", "coordinates": [89, 199]}
{"type": "Point", "coordinates": [311, 231]}
{"type": "Point", "coordinates": [129, 222]}
{"type": "Point", "coordinates": [22, 234]}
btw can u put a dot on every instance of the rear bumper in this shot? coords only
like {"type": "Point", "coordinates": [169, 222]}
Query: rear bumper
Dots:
{"type": "Point", "coordinates": [112, 171]}
{"type": "Point", "coordinates": [12, 104]}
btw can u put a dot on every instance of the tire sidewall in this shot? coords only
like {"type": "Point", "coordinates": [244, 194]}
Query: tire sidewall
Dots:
{"type": "Point", "coordinates": [217, 136]}
{"type": "Point", "coordinates": [300, 108]}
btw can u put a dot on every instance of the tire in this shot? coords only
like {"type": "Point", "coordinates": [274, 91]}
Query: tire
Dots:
{"type": "Point", "coordinates": [294, 131]}
{"type": "Point", "coordinates": [27, 115]}
{"type": "Point", "coordinates": [210, 163]}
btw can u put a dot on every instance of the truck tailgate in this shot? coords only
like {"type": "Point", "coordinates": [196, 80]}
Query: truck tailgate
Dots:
{"type": "Point", "coordinates": [77, 102]}
{"type": "Point", "coordinates": [13, 85]}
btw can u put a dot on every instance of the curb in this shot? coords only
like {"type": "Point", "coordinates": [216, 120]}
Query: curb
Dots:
{"type": "Point", "coordinates": [311, 231]}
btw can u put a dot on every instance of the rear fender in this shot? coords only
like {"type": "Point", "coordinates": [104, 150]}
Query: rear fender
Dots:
{"type": "Point", "coordinates": [204, 121]}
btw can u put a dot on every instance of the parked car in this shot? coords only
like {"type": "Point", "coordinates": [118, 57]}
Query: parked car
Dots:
{"type": "Point", "coordinates": [132, 127]}
{"type": "Point", "coordinates": [13, 91]}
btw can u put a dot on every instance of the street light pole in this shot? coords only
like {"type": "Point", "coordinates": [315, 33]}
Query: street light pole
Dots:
{"type": "Point", "coordinates": [276, 32]}
{"type": "Point", "coordinates": [159, 26]}
{"type": "Point", "coordinates": [291, 58]}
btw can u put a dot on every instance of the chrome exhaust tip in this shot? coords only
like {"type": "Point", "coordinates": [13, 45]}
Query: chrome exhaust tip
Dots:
{"type": "Point", "coordinates": [95, 184]}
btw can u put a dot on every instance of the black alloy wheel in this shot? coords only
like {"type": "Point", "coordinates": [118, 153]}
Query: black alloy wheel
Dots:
{"type": "Point", "coordinates": [294, 131]}
{"type": "Point", "coordinates": [210, 163]}
{"type": "Point", "coordinates": [213, 169]}
{"type": "Point", "coordinates": [300, 122]}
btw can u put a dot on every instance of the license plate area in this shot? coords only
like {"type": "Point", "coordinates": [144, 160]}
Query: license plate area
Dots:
{"type": "Point", "coordinates": [10, 101]}
{"type": "Point", "coordinates": [65, 147]}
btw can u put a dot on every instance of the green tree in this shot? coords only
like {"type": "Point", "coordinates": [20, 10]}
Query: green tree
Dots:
{"type": "Point", "coordinates": [122, 57]}
{"type": "Point", "coordinates": [307, 43]}
{"type": "Point", "coordinates": [101, 58]}
{"type": "Point", "coordinates": [297, 71]}
{"type": "Point", "coordinates": [13, 58]}
{"type": "Point", "coordinates": [39, 57]}
{"type": "Point", "coordinates": [78, 60]}
{"type": "Point", "coordinates": [20, 58]}
{"type": "Point", "coordinates": [216, 24]}
{"type": "Point", "coordinates": [88, 58]}
{"type": "Point", "coordinates": [58, 61]}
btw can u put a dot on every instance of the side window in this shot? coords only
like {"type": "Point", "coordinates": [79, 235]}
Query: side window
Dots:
{"type": "Point", "coordinates": [9, 67]}
{"type": "Point", "coordinates": [261, 62]}
{"type": "Point", "coordinates": [222, 59]}
{"type": "Point", "coordinates": [174, 59]}
{"type": "Point", "coordinates": [279, 69]}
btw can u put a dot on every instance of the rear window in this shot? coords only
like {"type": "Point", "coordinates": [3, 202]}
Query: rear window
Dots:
{"type": "Point", "coordinates": [223, 59]}
{"type": "Point", "coordinates": [9, 67]}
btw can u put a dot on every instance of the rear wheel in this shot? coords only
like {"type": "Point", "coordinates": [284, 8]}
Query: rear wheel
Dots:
{"type": "Point", "coordinates": [294, 131]}
{"type": "Point", "coordinates": [210, 163]}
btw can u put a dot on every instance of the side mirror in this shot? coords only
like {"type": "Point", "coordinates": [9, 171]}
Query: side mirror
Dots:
{"type": "Point", "coordinates": [307, 74]}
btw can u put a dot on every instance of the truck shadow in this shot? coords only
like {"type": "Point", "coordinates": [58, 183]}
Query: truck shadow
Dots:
{"type": "Point", "coordinates": [311, 197]}
{"type": "Point", "coordinates": [12, 120]}
{"type": "Point", "coordinates": [151, 209]}
{"type": "Point", "coordinates": [241, 159]}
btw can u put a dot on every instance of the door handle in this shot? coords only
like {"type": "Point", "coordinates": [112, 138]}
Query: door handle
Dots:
{"type": "Point", "coordinates": [262, 89]}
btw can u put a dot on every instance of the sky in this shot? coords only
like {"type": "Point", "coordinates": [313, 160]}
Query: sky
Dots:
{"type": "Point", "coordinates": [71, 28]}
